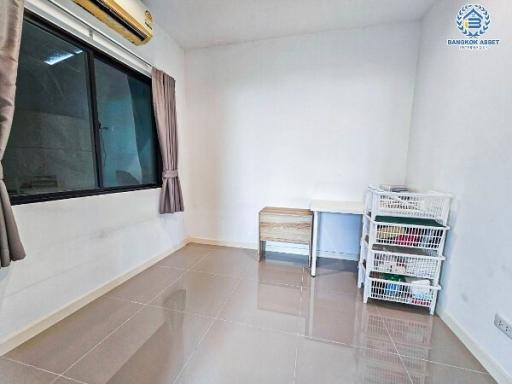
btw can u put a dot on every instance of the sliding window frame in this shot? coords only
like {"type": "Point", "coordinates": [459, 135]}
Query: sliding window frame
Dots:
{"type": "Point", "coordinates": [92, 53]}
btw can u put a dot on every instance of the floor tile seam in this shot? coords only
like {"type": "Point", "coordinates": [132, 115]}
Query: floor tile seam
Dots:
{"type": "Point", "coordinates": [171, 282]}
{"type": "Point", "coordinates": [103, 340]}
{"type": "Point", "coordinates": [329, 290]}
{"type": "Point", "coordinates": [427, 360]}
{"type": "Point", "coordinates": [259, 327]}
{"type": "Point", "coordinates": [182, 271]}
{"type": "Point", "coordinates": [186, 268]}
{"type": "Point", "coordinates": [189, 268]}
{"type": "Point", "coordinates": [120, 326]}
{"type": "Point", "coordinates": [358, 347]}
{"type": "Point", "coordinates": [249, 278]}
{"type": "Point", "coordinates": [20, 362]}
{"type": "Point", "coordinates": [142, 306]}
{"type": "Point", "coordinates": [228, 298]}
{"type": "Point", "coordinates": [150, 304]}
{"type": "Point", "coordinates": [355, 346]}
{"type": "Point", "coordinates": [160, 266]}
{"type": "Point", "coordinates": [193, 353]}
{"type": "Point", "coordinates": [223, 319]}
{"type": "Point", "coordinates": [306, 272]}
{"type": "Point", "coordinates": [305, 291]}
{"type": "Point", "coordinates": [298, 285]}
{"type": "Point", "coordinates": [301, 301]}
{"type": "Point", "coordinates": [386, 328]}
{"type": "Point", "coordinates": [402, 362]}
{"type": "Point", "coordinates": [446, 364]}
{"type": "Point", "coordinates": [118, 298]}
{"type": "Point", "coordinates": [302, 291]}
{"type": "Point", "coordinates": [153, 298]}
{"type": "Point", "coordinates": [182, 274]}
{"type": "Point", "coordinates": [203, 337]}
{"type": "Point", "coordinates": [239, 275]}
{"type": "Point", "coordinates": [70, 379]}
{"type": "Point", "coordinates": [214, 274]}
{"type": "Point", "coordinates": [56, 374]}
{"type": "Point", "coordinates": [192, 313]}
{"type": "Point", "coordinates": [294, 377]}
{"type": "Point", "coordinates": [406, 369]}
{"type": "Point", "coordinates": [398, 353]}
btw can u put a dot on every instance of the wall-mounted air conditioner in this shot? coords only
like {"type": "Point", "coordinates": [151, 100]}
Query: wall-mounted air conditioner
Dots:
{"type": "Point", "coordinates": [130, 18]}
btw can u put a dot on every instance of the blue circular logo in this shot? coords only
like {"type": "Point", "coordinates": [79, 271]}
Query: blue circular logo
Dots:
{"type": "Point", "coordinates": [473, 20]}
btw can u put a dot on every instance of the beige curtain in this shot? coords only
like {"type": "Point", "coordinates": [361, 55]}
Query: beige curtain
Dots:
{"type": "Point", "coordinates": [164, 104]}
{"type": "Point", "coordinates": [11, 18]}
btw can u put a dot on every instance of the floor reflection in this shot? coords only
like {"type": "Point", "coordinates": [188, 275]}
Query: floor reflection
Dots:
{"type": "Point", "coordinates": [331, 310]}
{"type": "Point", "coordinates": [216, 315]}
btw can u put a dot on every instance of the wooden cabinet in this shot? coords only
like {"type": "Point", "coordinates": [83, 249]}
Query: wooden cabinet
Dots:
{"type": "Point", "coordinates": [289, 225]}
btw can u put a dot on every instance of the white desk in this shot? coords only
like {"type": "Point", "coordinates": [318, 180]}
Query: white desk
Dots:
{"type": "Point", "coordinates": [325, 206]}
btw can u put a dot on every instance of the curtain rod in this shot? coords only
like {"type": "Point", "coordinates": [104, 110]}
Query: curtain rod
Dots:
{"type": "Point", "coordinates": [94, 28]}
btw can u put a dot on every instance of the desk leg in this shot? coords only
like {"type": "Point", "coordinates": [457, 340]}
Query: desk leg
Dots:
{"type": "Point", "coordinates": [261, 245]}
{"type": "Point", "coordinates": [314, 245]}
{"type": "Point", "coordinates": [311, 306]}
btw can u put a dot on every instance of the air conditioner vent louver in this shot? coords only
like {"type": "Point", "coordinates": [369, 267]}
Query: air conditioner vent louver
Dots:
{"type": "Point", "coordinates": [130, 18]}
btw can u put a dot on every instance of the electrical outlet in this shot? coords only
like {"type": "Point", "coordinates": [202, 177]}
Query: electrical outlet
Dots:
{"type": "Point", "coordinates": [503, 325]}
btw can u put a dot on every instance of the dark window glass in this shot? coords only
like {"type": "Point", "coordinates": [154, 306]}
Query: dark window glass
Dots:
{"type": "Point", "coordinates": [83, 123]}
{"type": "Point", "coordinates": [50, 148]}
{"type": "Point", "coordinates": [127, 131]}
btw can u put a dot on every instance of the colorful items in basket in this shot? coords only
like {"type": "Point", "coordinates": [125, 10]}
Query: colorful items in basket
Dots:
{"type": "Point", "coordinates": [409, 237]}
{"type": "Point", "coordinates": [392, 289]}
{"type": "Point", "coordinates": [420, 267]}
{"type": "Point", "coordinates": [394, 188]}
{"type": "Point", "coordinates": [419, 290]}
{"type": "Point", "coordinates": [389, 232]}
{"type": "Point", "coordinates": [392, 266]}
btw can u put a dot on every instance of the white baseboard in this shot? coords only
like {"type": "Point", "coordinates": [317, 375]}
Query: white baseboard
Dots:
{"type": "Point", "coordinates": [233, 244]}
{"type": "Point", "coordinates": [295, 249]}
{"type": "Point", "coordinates": [38, 326]}
{"type": "Point", "coordinates": [493, 367]}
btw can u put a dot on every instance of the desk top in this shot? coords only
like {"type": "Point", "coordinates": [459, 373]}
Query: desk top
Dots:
{"type": "Point", "coordinates": [339, 206]}
{"type": "Point", "coordinates": [287, 211]}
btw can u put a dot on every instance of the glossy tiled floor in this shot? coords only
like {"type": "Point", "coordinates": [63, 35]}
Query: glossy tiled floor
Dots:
{"type": "Point", "coordinates": [214, 315]}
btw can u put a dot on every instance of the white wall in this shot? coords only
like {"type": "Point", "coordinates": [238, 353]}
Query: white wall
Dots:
{"type": "Point", "coordinates": [281, 121]}
{"type": "Point", "coordinates": [75, 246]}
{"type": "Point", "coordinates": [460, 143]}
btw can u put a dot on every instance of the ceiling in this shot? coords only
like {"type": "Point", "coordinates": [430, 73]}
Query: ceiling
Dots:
{"type": "Point", "coordinates": [203, 23]}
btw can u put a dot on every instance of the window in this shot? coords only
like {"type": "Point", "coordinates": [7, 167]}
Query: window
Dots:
{"type": "Point", "coordinates": [126, 127]}
{"type": "Point", "coordinates": [83, 123]}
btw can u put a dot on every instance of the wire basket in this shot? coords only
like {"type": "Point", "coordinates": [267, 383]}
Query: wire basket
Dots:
{"type": "Point", "coordinates": [378, 348]}
{"type": "Point", "coordinates": [369, 374]}
{"type": "Point", "coordinates": [406, 293]}
{"type": "Point", "coordinates": [406, 233]}
{"type": "Point", "coordinates": [410, 332]}
{"type": "Point", "coordinates": [426, 264]}
{"type": "Point", "coordinates": [371, 352]}
{"type": "Point", "coordinates": [419, 357]}
{"type": "Point", "coordinates": [432, 205]}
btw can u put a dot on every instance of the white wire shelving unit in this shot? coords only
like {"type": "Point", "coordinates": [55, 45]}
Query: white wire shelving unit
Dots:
{"type": "Point", "coordinates": [429, 205]}
{"type": "Point", "coordinates": [404, 235]}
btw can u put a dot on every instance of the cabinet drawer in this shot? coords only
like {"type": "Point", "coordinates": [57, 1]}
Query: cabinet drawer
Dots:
{"type": "Point", "coordinates": [285, 228]}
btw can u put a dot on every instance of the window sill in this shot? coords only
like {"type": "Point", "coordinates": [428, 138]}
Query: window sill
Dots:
{"type": "Point", "coordinates": [29, 199]}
